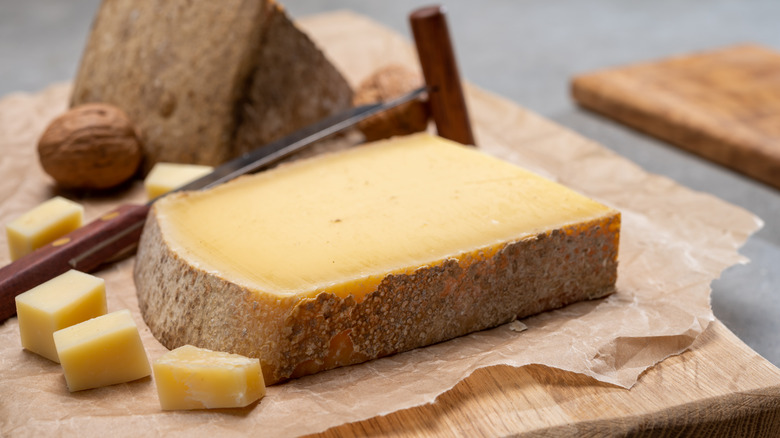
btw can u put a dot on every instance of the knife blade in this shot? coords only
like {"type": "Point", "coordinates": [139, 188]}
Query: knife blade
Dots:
{"type": "Point", "coordinates": [118, 231]}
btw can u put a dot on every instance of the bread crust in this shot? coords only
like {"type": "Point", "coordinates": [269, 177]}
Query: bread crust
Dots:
{"type": "Point", "coordinates": [292, 337]}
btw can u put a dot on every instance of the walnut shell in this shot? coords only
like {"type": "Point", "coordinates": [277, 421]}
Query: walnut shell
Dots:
{"type": "Point", "coordinates": [386, 83]}
{"type": "Point", "coordinates": [91, 146]}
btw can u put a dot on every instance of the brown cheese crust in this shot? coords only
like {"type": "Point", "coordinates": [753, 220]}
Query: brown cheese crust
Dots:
{"type": "Point", "coordinates": [206, 81]}
{"type": "Point", "coordinates": [293, 337]}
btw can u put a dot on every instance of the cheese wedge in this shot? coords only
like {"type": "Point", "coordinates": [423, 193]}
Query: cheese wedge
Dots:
{"type": "Point", "coordinates": [102, 351]}
{"type": "Point", "coordinates": [203, 81]}
{"type": "Point", "coordinates": [360, 254]}
{"type": "Point", "coordinates": [195, 378]}
{"type": "Point", "coordinates": [42, 225]}
{"type": "Point", "coordinates": [166, 177]}
{"type": "Point", "coordinates": [61, 302]}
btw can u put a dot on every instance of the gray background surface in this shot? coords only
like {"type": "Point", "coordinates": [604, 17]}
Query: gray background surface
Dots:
{"type": "Point", "coordinates": [527, 51]}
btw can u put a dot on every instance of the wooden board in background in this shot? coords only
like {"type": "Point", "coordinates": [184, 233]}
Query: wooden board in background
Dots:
{"type": "Point", "coordinates": [723, 105]}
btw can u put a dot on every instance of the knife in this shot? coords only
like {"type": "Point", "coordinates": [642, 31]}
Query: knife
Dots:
{"type": "Point", "coordinates": [116, 234]}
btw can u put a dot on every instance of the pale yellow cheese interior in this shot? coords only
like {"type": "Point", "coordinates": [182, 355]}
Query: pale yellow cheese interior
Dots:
{"type": "Point", "coordinates": [42, 225]}
{"type": "Point", "coordinates": [341, 222]}
{"type": "Point", "coordinates": [196, 378]}
{"type": "Point", "coordinates": [102, 351]}
{"type": "Point", "coordinates": [63, 301]}
{"type": "Point", "coordinates": [165, 177]}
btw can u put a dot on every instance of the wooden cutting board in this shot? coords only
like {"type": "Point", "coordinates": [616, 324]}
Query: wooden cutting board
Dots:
{"type": "Point", "coordinates": [719, 388]}
{"type": "Point", "coordinates": [723, 105]}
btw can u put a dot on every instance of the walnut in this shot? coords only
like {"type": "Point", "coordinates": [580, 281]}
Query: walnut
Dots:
{"type": "Point", "coordinates": [92, 146]}
{"type": "Point", "coordinates": [385, 84]}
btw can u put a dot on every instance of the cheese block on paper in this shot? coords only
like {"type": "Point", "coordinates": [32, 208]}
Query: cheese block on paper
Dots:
{"type": "Point", "coordinates": [42, 225]}
{"type": "Point", "coordinates": [206, 81]}
{"type": "Point", "coordinates": [102, 351]}
{"type": "Point", "coordinates": [195, 378]}
{"type": "Point", "coordinates": [166, 177]}
{"type": "Point", "coordinates": [61, 302]}
{"type": "Point", "coordinates": [355, 255]}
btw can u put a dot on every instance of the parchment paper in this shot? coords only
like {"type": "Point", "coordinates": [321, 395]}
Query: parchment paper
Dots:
{"type": "Point", "coordinates": [674, 242]}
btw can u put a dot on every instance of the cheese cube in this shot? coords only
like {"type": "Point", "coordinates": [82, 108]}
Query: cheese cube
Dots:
{"type": "Point", "coordinates": [42, 225]}
{"type": "Point", "coordinates": [61, 302]}
{"type": "Point", "coordinates": [165, 177]}
{"type": "Point", "coordinates": [102, 351]}
{"type": "Point", "coordinates": [195, 378]}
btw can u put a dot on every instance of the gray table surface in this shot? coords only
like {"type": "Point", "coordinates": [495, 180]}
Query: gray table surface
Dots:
{"type": "Point", "coordinates": [526, 51]}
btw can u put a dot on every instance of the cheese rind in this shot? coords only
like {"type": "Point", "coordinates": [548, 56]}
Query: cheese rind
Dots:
{"type": "Point", "coordinates": [102, 351]}
{"type": "Point", "coordinates": [61, 302]}
{"type": "Point", "coordinates": [195, 378]}
{"type": "Point", "coordinates": [356, 255]}
{"type": "Point", "coordinates": [42, 225]}
{"type": "Point", "coordinates": [166, 177]}
{"type": "Point", "coordinates": [211, 80]}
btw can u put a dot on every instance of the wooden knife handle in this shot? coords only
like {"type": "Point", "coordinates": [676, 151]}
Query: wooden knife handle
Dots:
{"type": "Point", "coordinates": [437, 58]}
{"type": "Point", "coordinates": [84, 249]}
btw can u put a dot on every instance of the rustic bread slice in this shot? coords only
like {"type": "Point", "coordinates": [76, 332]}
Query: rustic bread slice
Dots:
{"type": "Point", "coordinates": [355, 255]}
{"type": "Point", "coordinates": [205, 81]}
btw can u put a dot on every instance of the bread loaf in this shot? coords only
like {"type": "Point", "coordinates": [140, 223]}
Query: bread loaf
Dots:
{"type": "Point", "coordinates": [351, 256]}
